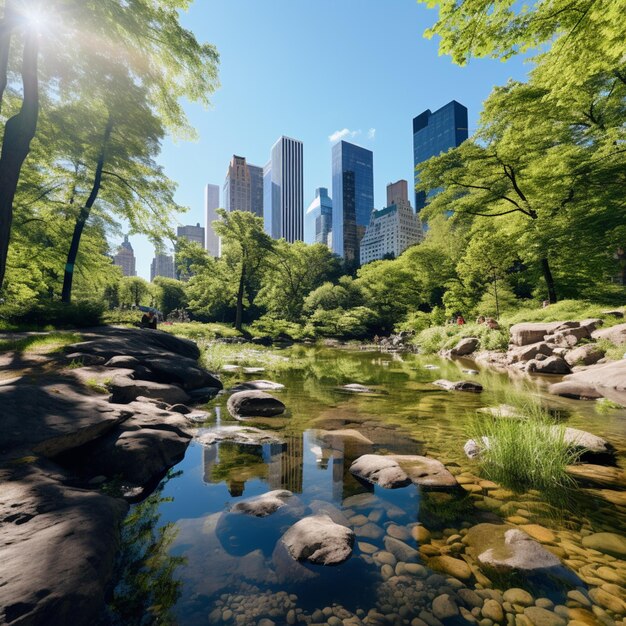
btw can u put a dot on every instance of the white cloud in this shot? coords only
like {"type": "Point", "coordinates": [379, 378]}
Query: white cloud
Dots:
{"type": "Point", "coordinates": [338, 135]}
{"type": "Point", "coordinates": [371, 133]}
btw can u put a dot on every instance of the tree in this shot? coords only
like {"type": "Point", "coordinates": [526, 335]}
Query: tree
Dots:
{"type": "Point", "coordinates": [170, 294]}
{"type": "Point", "coordinates": [245, 249]}
{"type": "Point", "coordinates": [135, 291]}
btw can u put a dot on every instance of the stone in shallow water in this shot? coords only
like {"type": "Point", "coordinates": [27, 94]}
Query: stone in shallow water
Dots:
{"type": "Point", "coordinates": [426, 472]}
{"type": "Point", "coordinates": [356, 388]}
{"type": "Point", "coordinates": [318, 539]}
{"type": "Point", "coordinates": [541, 534]}
{"type": "Point", "coordinates": [609, 543]}
{"type": "Point", "coordinates": [380, 470]}
{"type": "Point", "coordinates": [444, 607]}
{"type": "Point", "coordinates": [518, 596]}
{"type": "Point", "coordinates": [402, 551]}
{"type": "Point", "coordinates": [455, 567]}
{"type": "Point", "coordinates": [598, 475]}
{"type": "Point", "coordinates": [263, 505]}
{"type": "Point", "coordinates": [543, 617]}
{"type": "Point", "coordinates": [238, 434]}
{"type": "Point", "coordinates": [258, 385]}
{"type": "Point", "coordinates": [459, 385]}
{"type": "Point", "coordinates": [254, 403]}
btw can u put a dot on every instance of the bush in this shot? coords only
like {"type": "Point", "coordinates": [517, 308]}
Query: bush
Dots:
{"type": "Point", "coordinates": [445, 337]}
{"type": "Point", "coordinates": [561, 311]}
{"type": "Point", "coordinates": [52, 314]}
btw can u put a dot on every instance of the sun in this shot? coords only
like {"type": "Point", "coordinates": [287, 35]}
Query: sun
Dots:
{"type": "Point", "coordinates": [36, 17]}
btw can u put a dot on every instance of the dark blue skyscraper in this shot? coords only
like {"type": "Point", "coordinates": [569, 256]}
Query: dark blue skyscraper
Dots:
{"type": "Point", "coordinates": [353, 197]}
{"type": "Point", "coordinates": [434, 133]}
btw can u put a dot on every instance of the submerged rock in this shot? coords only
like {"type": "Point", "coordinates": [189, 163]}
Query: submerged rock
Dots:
{"type": "Point", "coordinates": [609, 543]}
{"type": "Point", "coordinates": [380, 470]}
{"type": "Point", "coordinates": [263, 505]}
{"type": "Point", "coordinates": [591, 445]}
{"type": "Point", "coordinates": [318, 539]}
{"type": "Point", "coordinates": [425, 472]}
{"type": "Point", "coordinates": [460, 385]}
{"type": "Point", "coordinates": [356, 388]}
{"type": "Point", "coordinates": [254, 403]}
{"type": "Point", "coordinates": [238, 434]}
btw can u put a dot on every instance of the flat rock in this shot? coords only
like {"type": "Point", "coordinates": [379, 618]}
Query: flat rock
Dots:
{"type": "Point", "coordinates": [574, 389]}
{"type": "Point", "coordinates": [258, 385]}
{"type": "Point", "coordinates": [596, 446]}
{"type": "Point", "coordinates": [425, 472]}
{"type": "Point", "coordinates": [607, 379]}
{"type": "Point", "coordinates": [356, 388]}
{"type": "Point", "coordinates": [460, 385]}
{"type": "Point", "coordinates": [182, 371]}
{"type": "Point", "coordinates": [125, 389]}
{"type": "Point", "coordinates": [542, 617]}
{"type": "Point", "coordinates": [238, 434]}
{"type": "Point", "coordinates": [598, 475]}
{"type": "Point", "coordinates": [588, 354]}
{"type": "Point", "coordinates": [57, 548]}
{"type": "Point", "coordinates": [549, 365]}
{"type": "Point", "coordinates": [521, 354]}
{"type": "Point", "coordinates": [401, 550]}
{"type": "Point", "coordinates": [263, 505]}
{"type": "Point", "coordinates": [380, 470]}
{"type": "Point", "coordinates": [528, 333]}
{"type": "Point", "coordinates": [615, 334]}
{"type": "Point", "coordinates": [319, 540]}
{"type": "Point", "coordinates": [505, 548]}
{"type": "Point", "coordinates": [254, 403]}
{"type": "Point", "coordinates": [608, 543]}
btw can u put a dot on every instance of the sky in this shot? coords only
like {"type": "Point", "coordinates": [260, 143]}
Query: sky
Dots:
{"type": "Point", "coordinates": [355, 69]}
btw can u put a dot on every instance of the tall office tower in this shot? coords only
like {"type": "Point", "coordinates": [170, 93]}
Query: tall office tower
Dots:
{"type": "Point", "coordinates": [191, 233]}
{"type": "Point", "coordinates": [353, 197]}
{"type": "Point", "coordinates": [434, 133]}
{"type": "Point", "coordinates": [318, 220]}
{"type": "Point", "coordinates": [283, 191]}
{"type": "Point", "coordinates": [211, 204]}
{"type": "Point", "coordinates": [243, 187]}
{"type": "Point", "coordinates": [125, 258]}
{"type": "Point", "coordinates": [162, 265]}
{"type": "Point", "coordinates": [393, 229]}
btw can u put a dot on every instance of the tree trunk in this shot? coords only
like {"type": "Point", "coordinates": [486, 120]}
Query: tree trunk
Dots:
{"type": "Point", "coordinates": [6, 32]}
{"type": "Point", "coordinates": [239, 310]}
{"type": "Point", "coordinates": [19, 130]}
{"type": "Point", "coordinates": [547, 274]}
{"type": "Point", "coordinates": [83, 216]}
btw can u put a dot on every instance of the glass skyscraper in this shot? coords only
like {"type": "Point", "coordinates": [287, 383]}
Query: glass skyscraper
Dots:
{"type": "Point", "coordinates": [318, 218]}
{"type": "Point", "coordinates": [434, 133]}
{"type": "Point", "coordinates": [353, 197]}
{"type": "Point", "coordinates": [283, 191]}
{"type": "Point", "coordinates": [211, 204]}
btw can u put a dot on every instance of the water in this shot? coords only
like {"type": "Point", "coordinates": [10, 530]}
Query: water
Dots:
{"type": "Point", "coordinates": [230, 572]}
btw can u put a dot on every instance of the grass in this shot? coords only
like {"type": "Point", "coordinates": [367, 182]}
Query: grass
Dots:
{"type": "Point", "coordinates": [526, 453]}
{"type": "Point", "coordinates": [200, 330]}
{"type": "Point", "coordinates": [214, 355]}
{"type": "Point", "coordinates": [99, 386]}
{"type": "Point", "coordinates": [562, 311]}
{"type": "Point", "coordinates": [43, 344]}
{"type": "Point", "coordinates": [445, 337]}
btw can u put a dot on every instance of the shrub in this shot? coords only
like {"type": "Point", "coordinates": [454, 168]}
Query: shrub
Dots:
{"type": "Point", "coordinates": [52, 314]}
{"type": "Point", "coordinates": [445, 337]}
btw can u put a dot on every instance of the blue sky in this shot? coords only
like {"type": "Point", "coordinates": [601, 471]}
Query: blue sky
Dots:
{"type": "Point", "coordinates": [308, 69]}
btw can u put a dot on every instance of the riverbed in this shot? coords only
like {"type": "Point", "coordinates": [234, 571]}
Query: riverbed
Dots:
{"type": "Point", "coordinates": [223, 567]}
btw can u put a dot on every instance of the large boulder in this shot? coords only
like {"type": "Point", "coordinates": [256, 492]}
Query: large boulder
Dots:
{"type": "Point", "coordinates": [587, 354]}
{"type": "Point", "coordinates": [318, 539]}
{"type": "Point", "coordinates": [57, 548]}
{"type": "Point", "coordinates": [614, 334]}
{"type": "Point", "coordinates": [125, 390]}
{"type": "Point", "coordinates": [459, 385]}
{"type": "Point", "coordinates": [426, 472]}
{"type": "Point", "coordinates": [576, 390]}
{"type": "Point", "coordinates": [505, 548]}
{"type": "Point", "coordinates": [527, 333]}
{"type": "Point", "coordinates": [263, 505]}
{"type": "Point", "coordinates": [521, 354]}
{"type": "Point", "coordinates": [254, 403]}
{"type": "Point", "coordinates": [380, 470]}
{"type": "Point", "coordinates": [182, 371]}
{"type": "Point", "coordinates": [550, 365]}
{"type": "Point", "coordinates": [607, 379]}
{"type": "Point", "coordinates": [465, 346]}
{"type": "Point", "coordinates": [569, 337]}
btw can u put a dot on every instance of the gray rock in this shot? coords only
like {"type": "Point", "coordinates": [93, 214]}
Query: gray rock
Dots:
{"type": "Point", "coordinates": [574, 389]}
{"type": "Point", "coordinates": [401, 550]}
{"type": "Point", "coordinates": [444, 607]}
{"type": "Point", "coordinates": [549, 365]}
{"type": "Point", "coordinates": [607, 379]}
{"type": "Point", "coordinates": [356, 388]}
{"type": "Point", "coordinates": [569, 337]}
{"type": "Point", "coordinates": [460, 385]}
{"type": "Point", "coordinates": [258, 385]}
{"type": "Point", "coordinates": [254, 403]}
{"type": "Point", "coordinates": [586, 441]}
{"type": "Point", "coordinates": [615, 334]}
{"type": "Point", "coordinates": [125, 390]}
{"type": "Point", "coordinates": [425, 472]}
{"type": "Point", "coordinates": [182, 371]}
{"type": "Point", "coordinates": [123, 361]}
{"type": "Point", "coordinates": [318, 539]}
{"type": "Point", "coordinates": [465, 346]}
{"type": "Point", "coordinates": [85, 358]}
{"type": "Point", "coordinates": [527, 333]}
{"type": "Point", "coordinates": [263, 505]}
{"type": "Point", "coordinates": [521, 354]}
{"type": "Point", "coordinates": [505, 548]}
{"type": "Point", "coordinates": [588, 354]}
{"type": "Point", "coordinates": [380, 470]}
{"type": "Point", "coordinates": [238, 434]}
{"type": "Point", "coordinates": [543, 617]}
{"type": "Point", "coordinates": [180, 408]}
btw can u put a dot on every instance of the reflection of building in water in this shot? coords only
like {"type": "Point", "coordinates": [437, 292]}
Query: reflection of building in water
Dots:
{"type": "Point", "coordinates": [286, 464]}
{"type": "Point", "coordinates": [233, 464]}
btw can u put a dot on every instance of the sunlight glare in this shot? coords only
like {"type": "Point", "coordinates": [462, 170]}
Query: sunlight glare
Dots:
{"type": "Point", "coordinates": [36, 18]}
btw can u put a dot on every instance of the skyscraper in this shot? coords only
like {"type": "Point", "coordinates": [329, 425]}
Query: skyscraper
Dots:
{"type": "Point", "coordinates": [318, 220]}
{"type": "Point", "coordinates": [125, 258]}
{"type": "Point", "coordinates": [283, 190]}
{"type": "Point", "coordinates": [162, 265]}
{"type": "Point", "coordinates": [393, 229]}
{"type": "Point", "coordinates": [353, 197]}
{"type": "Point", "coordinates": [211, 204]}
{"type": "Point", "coordinates": [434, 133]}
{"type": "Point", "coordinates": [243, 187]}
{"type": "Point", "coordinates": [191, 233]}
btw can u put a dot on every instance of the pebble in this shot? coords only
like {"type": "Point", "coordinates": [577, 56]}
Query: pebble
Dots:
{"type": "Point", "coordinates": [382, 557]}
{"type": "Point", "coordinates": [578, 596]}
{"type": "Point", "coordinates": [470, 598]}
{"type": "Point", "coordinates": [420, 534]}
{"type": "Point", "coordinates": [610, 574]}
{"type": "Point", "coordinates": [455, 567]}
{"type": "Point", "coordinates": [518, 596]}
{"type": "Point", "coordinates": [444, 607]}
{"type": "Point", "coordinates": [398, 532]}
{"type": "Point", "coordinates": [386, 571]}
{"type": "Point", "coordinates": [368, 548]}
{"type": "Point", "coordinates": [493, 611]}
{"type": "Point", "coordinates": [607, 600]}
{"type": "Point", "coordinates": [543, 617]}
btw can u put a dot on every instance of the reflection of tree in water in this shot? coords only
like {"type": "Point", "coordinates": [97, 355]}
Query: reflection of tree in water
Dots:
{"type": "Point", "coordinates": [236, 464]}
{"type": "Point", "coordinates": [146, 590]}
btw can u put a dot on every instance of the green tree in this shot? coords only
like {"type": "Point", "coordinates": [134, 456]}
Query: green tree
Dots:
{"type": "Point", "coordinates": [170, 294]}
{"type": "Point", "coordinates": [135, 291]}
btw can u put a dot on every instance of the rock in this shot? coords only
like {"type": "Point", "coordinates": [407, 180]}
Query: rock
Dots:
{"type": "Point", "coordinates": [588, 354]}
{"type": "Point", "coordinates": [85, 358]}
{"type": "Point", "coordinates": [402, 551]}
{"type": "Point", "coordinates": [185, 372]}
{"type": "Point", "coordinates": [550, 365]}
{"type": "Point", "coordinates": [461, 385]}
{"type": "Point", "coordinates": [332, 437]}
{"type": "Point", "coordinates": [465, 346]}
{"type": "Point", "coordinates": [608, 600]}
{"type": "Point", "coordinates": [420, 534]}
{"type": "Point", "coordinates": [444, 607]}
{"type": "Point", "coordinates": [522, 354]}
{"type": "Point", "coordinates": [356, 388]}
{"type": "Point", "coordinates": [505, 548]}
{"type": "Point", "coordinates": [254, 403]}
{"type": "Point", "coordinates": [180, 408]}
{"type": "Point", "coordinates": [449, 565]}
{"type": "Point", "coordinates": [123, 361]}
{"type": "Point", "coordinates": [569, 337]}
{"type": "Point", "coordinates": [608, 543]}
{"type": "Point", "coordinates": [614, 313]}
{"type": "Point", "coordinates": [258, 385]}
{"type": "Point", "coordinates": [263, 505]}
{"type": "Point", "coordinates": [473, 448]}
{"type": "Point", "coordinates": [543, 617]}
{"type": "Point", "coordinates": [591, 445]}
{"type": "Point", "coordinates": [238, 434]}
{"type": "Point", "coordinates": [380, 470]}
{"type": "Point", "coordinates": [573, 389]}
{"type": "Point", "coordinates": [318, 539]}
{"type": "Point", "coordinates": [607, 379]}
{"type": "Point", "coordinates": [614, 334]}
{"type": "Point", "coordinates": [57, 546]}
{"type": "Point", "coordinates": [203, 394]}
{"type": "Point", "coordinates": [528, 333]}
{"type": "Point", "coordinates": [586, 473]}
{"type": "Point", "coordinates": [502, 410]}
{"type": "Point", "coordinates": [493, 611]}
{"type": "Point", "coordinates": [425, 472]}
{"type": "Point", "coordinates": [592, 323]}
{"type": "Point", "coordinates": [518, 596]}
{"type": "Point", "coordinates": [539, 533]}
{"type": "Point", "coordinates": [125, 390]}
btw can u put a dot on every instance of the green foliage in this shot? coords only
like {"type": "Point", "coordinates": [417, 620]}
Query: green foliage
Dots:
{"type": "Point", "coordinates": [564, 310]}
{"type": "Point", "coordinates": [445, 337]}
{"type": "Point", "coordinates": [200, 330]}
{"type": "Point", "coordinates": [40, 316]}
{"type": "Point", "coordinates": [135, 291]}
{"type": "Point", "coordinates": [169, 294]}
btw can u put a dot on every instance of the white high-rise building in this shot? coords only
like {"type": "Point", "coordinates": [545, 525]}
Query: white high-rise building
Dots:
{"type": "Point", "coordinates": [211, 204]}
{"type": "Point", "coordinates": [283, 190]}
{"type": "Point", "coordinates": [393, 229]}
